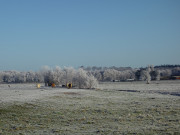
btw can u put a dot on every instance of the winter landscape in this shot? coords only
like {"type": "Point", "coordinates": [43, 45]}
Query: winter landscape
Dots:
{"type": "Point", "coordinates": [89, 67]}
{"type": "Point", "coordinates": [112, 108]}
{"type": "Point", "coordinates": [127, 106]}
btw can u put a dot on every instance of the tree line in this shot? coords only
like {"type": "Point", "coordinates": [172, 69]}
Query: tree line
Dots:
{"type": "Point", "coordinates": [139, 74]}
{"type": "Point", "coordinates": [87, 77]}
{"type": "Point", "coordinates": [78, 77]}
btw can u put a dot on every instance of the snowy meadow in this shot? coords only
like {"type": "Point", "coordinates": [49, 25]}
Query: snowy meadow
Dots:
{"type": "Point", "coordinates": [111, 108]}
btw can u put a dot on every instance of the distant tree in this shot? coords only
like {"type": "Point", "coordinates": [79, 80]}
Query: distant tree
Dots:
{"type": "Point", "coordinates": [55, 76]}
{"type": "Point", "coordinates": [165, 72]}
{"type": "Point", "coordinates": [9, 77]}
{"type": "Point", "coordinates": [143, 75]}
{"type": "Point", "coordinates": [126, 74]}
{"type": "Point", "coordinates": [58, 75]}
{"type": "Point", "coordinates": [110, 74]}
{"type": "Point", "coordinates": [91, 82]}
{"type": "Point", "coordinates": [148, 76]}
{"type": "Point", "coordinates": [98, 75]}
{"type": "Point", "coordinates": [1, 77]}
{"type": "Point", "coordinates": [20, 77]}
{"type": "Point", "coordinates": [157, 75]}
{"type": "Point", "coordinates": [80, 80]}
{"type": "Point", "coordinates": [69, 74]}
{"type": "Point", "coordinates": [45, 71]}
{"type": "Point", "coordinates": [30, 76]}
{"type": "Point", "coordinates": [176, 71]}
{"type": "Point", "coordinates": [83, 79]}
{"type": "Point", "coordinates": [38, 78]}
{"type": "Point", "coordinates": [137, 74]}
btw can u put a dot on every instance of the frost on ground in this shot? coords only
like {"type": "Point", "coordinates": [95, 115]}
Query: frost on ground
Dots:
{"type": "Point", "coordinates": [26, 93]}
{"type": "Point", "coordinates": [114, 108]}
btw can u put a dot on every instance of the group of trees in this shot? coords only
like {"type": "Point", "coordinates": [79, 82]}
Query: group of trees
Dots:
{"type": "Point", "coordinates": [128, 73]}
{"type": "Point", "coordinates": [112, 74]}
{"type": "Point", "coordinates": [147, 74]}
{"type": "Point", "coordinates": [124, 74]}
{"type": "Point", "coordinates": [20, 77]}
{"type": "Point", "coordinates": [79, 78]}
{"type": "Point", "coordinates": [87, 77]}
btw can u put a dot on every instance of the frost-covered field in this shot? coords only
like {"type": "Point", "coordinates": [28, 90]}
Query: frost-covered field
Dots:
{"type": "Point", "coordinates": [113, 108]}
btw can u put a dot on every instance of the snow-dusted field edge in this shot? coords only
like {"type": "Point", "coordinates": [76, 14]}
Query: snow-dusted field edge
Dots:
{"type": "Point", "coordinates": [28, 92]}
{"type": "Point", "coordinates": [10, 93]}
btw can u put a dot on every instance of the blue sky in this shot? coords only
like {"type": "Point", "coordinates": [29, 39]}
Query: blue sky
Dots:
{"type": "Point", "coordinates": [88, 32]}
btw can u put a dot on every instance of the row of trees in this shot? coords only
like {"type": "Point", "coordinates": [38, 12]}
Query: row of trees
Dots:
{"type": "Point", "coordinates": [127, 73]}
{"type": "Point", "coordinates": [112, 74]}
{"type": "Point", "coordinates": [94, 68]}
{"type": "Point", "coordinates": [20, 77]}
{"type": "Point", "coordinates": [79, 78]}
{"type": "Point", "coordinates": [87, 77]}
{"type": "Point", "coordinates": [147, 74]}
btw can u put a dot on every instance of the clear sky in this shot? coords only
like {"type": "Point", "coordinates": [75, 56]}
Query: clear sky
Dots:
{"type": "Point", "coordinates": [132, 33]}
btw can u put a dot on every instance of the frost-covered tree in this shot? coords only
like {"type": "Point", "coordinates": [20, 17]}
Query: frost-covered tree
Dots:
{"type": "Point", "coordinates": [69, 74]}
{"type": "Point", "coordinates": [91, 82]}
{"type": "Point", "coordinates": [166, 72]}
{"type": "Point", "coordinates": [124, 75]}
{"type": "Point", "coordinates": [30, 76]}
{"type": "Point", "coordinates": [58, 75]}
{"type": "Point", "coordinates": [137, 74]}
{"type": "Point", "coordinates": [148, 76]}
{"type": "Point", "coordinates": [45, 71]}
{"type": "Point", "coordinates": [20, 77]}
{"type": "Point", "coordinates": [110, 74]}
{"type": "Point", "coordinates": [98, 75]}
{"type": "Point", "coordinates": [143, 75]}
{"type": "Point", "coordinates": [53, 76]}
{"type": "Point", "coordinates": [84, 80]}
{"type": "Point", "coordinates": [80, 80]}
{"type": "Point", "coordinates": [157, 75]}
{"type": "Point", "coordinates": [1, 77]}
{"type": "Point", "coordinates": [9, 77]}
{"type": "Point", "coordinates": [38, 77]}
{"type": "Point", "coordinates": [176, 71]}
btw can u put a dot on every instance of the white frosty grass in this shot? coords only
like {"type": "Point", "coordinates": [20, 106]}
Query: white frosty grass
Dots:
{"type": "Point", "coordinates": [27, 92]}
{"type": "Point", "coordinates": [113, 108]}
{"type": "Point", "coordinates": [171, 86]}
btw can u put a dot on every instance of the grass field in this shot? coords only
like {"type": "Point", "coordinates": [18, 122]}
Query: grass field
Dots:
{"type": "Point", "coordinates": [114, 108]}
